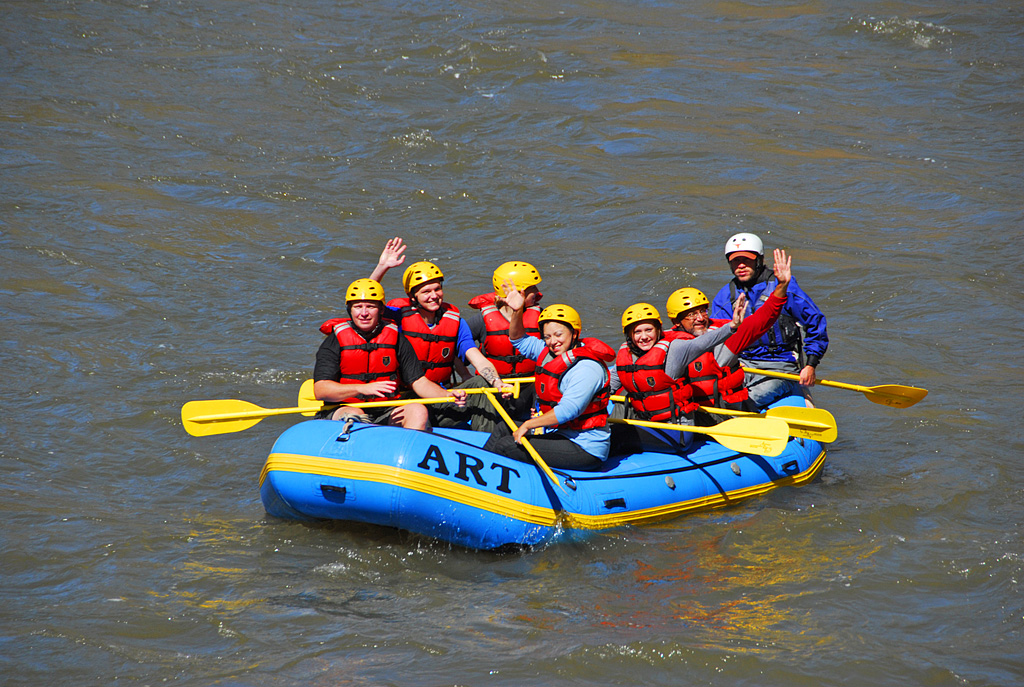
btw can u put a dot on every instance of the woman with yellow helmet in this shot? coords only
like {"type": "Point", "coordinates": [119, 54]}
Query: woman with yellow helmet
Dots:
{"type": "Point", "coordinates": [572, 386]}
{"type": "Point", "coordinates": [649, 364]}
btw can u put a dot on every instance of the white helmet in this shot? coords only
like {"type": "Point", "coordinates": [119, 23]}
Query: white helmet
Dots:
{"type": "Point", "coordinates": [744, 243]}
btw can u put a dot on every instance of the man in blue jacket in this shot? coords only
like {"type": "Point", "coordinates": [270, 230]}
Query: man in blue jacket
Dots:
{"type": "Point", "coordinates": [782, 348]}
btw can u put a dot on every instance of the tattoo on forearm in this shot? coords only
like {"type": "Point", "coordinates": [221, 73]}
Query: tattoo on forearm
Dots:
{"type": "Point", "coordinates": [490, 375]}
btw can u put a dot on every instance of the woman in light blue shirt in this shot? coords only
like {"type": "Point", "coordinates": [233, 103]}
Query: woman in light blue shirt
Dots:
{"type": "Point", "coordinates": [572, 387]}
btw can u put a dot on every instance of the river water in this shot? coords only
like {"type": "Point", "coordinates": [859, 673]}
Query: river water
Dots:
{"type": "Point", "coordinates": [187, 188]}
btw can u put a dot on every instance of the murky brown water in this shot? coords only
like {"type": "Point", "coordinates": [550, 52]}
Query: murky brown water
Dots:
{"type": "Point", "coordinates": [187, 187]}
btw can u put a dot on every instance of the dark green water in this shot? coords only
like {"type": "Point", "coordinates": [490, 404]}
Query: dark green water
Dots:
{"type": "Point", "coordinates": [187, 188]}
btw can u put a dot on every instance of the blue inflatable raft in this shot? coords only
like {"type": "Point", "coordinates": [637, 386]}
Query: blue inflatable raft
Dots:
{"type": "Point", "coordinates": [444, 485]}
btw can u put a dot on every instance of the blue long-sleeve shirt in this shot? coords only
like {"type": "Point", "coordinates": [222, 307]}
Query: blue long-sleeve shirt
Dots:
{"type": "Point", "coordinates": [578, 386]}
{"type": "Point", "coordinates": [799, 306]}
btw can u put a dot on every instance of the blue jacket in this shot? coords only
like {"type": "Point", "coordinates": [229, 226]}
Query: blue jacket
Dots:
{"type": "Point", "coordinates": [781, 342]}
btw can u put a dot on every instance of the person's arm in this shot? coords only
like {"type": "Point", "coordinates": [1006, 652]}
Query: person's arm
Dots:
{"type": "Point", "coordinates": [615, 382]}
{"type": "Point", "coordinates": [739, 311]}
{"type": "Point", "coordinates": [463, 340]}
{"type": "Point", "coordinates": [328, 360]}
{"type": "Point", "coordinates": [682, 352]}
{"type": "Point", "coordinates": [410, 367]}
{"type": "Point", "coordinates": [463, 343]}
{"type": "Point", "coordinates": [334, 392]}
{"type": "Point", "coordinates": [391, 256]}
{"type": "Point", "coordinates": [424, 388]}
{"type": "Point", "coordinates": [529, 346]}
{"type": "Point", "coordinates": [578, 386]}
{"type": "Point", "coordinates": [514, 299]}
{"type": "Point", "coordinates": [548, 419]}
{"type": "Point", "coordinates": [815, 329]}
{"type": "Point", "coordinates": [484, 367]}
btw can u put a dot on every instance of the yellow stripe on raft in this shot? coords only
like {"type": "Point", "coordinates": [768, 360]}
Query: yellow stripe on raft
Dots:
{"type": "Point", "coordinates": [511, 508]}
{"type": "Point", "coordinates": [407, 479]}
{"type": "Point", "coordinates": [671, 510]}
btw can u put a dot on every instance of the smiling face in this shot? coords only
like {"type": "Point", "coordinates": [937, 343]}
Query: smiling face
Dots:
{"type": "Point", "coordinates": [694, 321]}
{"type": "Point", "coordinates": [645, 334]}
{"type": "Point", "coordinates": [365, 315]}
{"type": "Point", "coordinates": [429, 296]}
{"type": "Point", "coordinates": [558, 337]}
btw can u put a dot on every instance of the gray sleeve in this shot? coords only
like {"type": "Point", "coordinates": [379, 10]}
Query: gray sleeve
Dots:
{"type": "Point", "coordinates": [682, 352]}
{"type": "Point", "coordinates": [725, 357]}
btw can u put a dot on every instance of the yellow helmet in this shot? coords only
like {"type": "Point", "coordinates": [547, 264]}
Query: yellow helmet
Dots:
{"type": "Point", "coordinates": [684, 299]}
{"type": "Point", "coordinates": [418, 273]}
{"type": "Point", "coordinates": [364, 290]}
{"type": "Point", "coordinates": [639, 312]}
{"type": "Point", "coordinates": [522, 274]}
{"type": "Point", "coordinates": [560, 313]}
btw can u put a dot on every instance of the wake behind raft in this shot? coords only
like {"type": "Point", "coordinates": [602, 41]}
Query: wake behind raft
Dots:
{"type": "Point", "coordinates": [442, 484]}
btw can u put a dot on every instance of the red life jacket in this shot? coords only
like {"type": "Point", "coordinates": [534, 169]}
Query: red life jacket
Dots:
{"type": "Point", "coordinates": [496, 346]}
{"type": "Point", "coordinates": [712, 384]}
{"type": "Point", "coordinates": [653, 394]}
{"type": "Point", "coordinates": [549, 372]}
{"type": "Point", "coordinates": [435, 347]}
{"type": "Point", "coordinates": [365, 361]}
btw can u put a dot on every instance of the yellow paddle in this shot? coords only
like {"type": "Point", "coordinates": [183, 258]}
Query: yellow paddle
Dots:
{"type": "Point", "coordinates": [308, 398]}
{"type": "Point", "coordinates": [526, 442]}
{"type": "Point", "coordinates": [766, 436]}
{"type": "Point", "coordinates": [892, 395]}
{"type": "Point", "coordinates": [807, 423]}
{"type": "Point", "coordinates": [203, 418]}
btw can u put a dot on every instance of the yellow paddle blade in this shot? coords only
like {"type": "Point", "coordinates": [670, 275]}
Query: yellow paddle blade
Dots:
{"type": "Point", "coordinates": [203, 418]}
{"type": "Point", "coordinates": [894, 395]}
{"type": "Point", "coordinates": [807, 423]}
{"type": "Point", "coordinates": [764, 436]}
{"type": "Point", "coordinates": [308, 398]}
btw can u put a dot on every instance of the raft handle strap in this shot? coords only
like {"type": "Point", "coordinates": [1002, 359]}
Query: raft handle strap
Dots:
{"type": "Point", "coordinates": [346, 428]}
